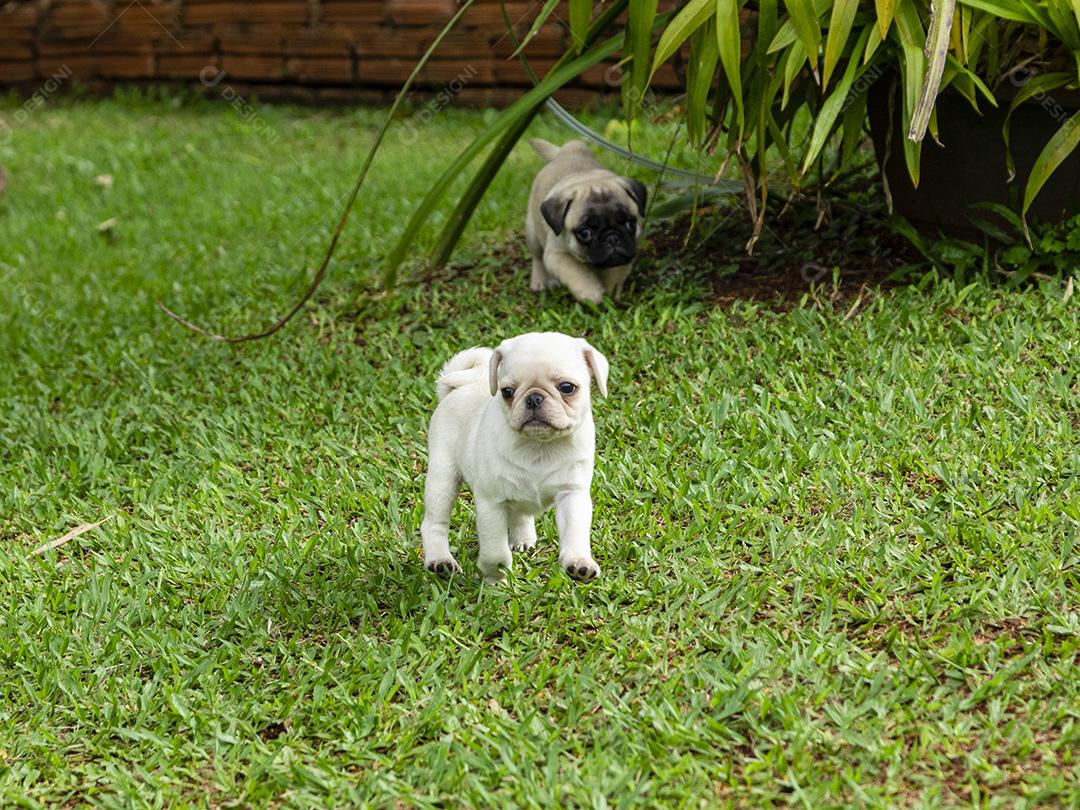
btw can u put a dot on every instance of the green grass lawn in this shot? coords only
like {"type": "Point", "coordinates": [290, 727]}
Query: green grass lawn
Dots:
{"type": "Point", "coordinates": [840, 555]}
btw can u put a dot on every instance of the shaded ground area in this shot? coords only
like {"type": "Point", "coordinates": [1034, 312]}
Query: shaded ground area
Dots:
{"type": "Point", "coordinates": [852, 249]}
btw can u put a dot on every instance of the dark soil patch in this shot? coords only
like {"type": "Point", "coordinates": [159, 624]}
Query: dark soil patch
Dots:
{"type": "Point", "coordinates": [791, 259]}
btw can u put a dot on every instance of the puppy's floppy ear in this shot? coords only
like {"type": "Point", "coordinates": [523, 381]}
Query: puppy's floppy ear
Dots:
{"type": "Point", "coordinates": [637, 191]}
{"type": "Point", "coordinates": [597, 364]}
{"type": "Point", "coordinates": [554, 210]}
{"type": "Point", "coordinates": [493, 370]}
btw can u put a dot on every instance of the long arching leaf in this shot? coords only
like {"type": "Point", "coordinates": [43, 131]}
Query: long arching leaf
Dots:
{"type": "Point", "coordinates": [524, 106]}
{"type": "Point", "coordinates": [1034, 86]}
{"type": "Point", "coordinates": [701, 71]}
{"type": "Point", "coordinates": [730, 43]}
{"type": "Point", "coordinates": [541, 18]}
{"type": "Point", "coordinates": [1059, 147]}
{"type": "Point", "coordinates": [580, 15]}
{"type": "Point", "coordinates": [843, 15]}
{"type": "Point", "coordinates": [690, 17]}
{"type": "Point", "coordinates": [639, 32]}
{"type": "Point", "coordinates": [834, 104]}
{"type": "Point", "coordinates": [805, 19]}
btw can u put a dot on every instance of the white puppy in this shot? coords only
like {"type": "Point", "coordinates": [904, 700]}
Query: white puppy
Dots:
{"type": "Point", "coordinates": [516, 425]}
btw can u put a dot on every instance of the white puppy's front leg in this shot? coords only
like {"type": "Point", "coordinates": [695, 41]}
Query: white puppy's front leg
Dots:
{"type": "Point", "coordinates": [573, 515]}
{"type": "Point", "coordinates": [492, 528]}
{"type": "Point", "coordinates": [440, 492]}
{"type": "Point", "coordinates": [522, 531]}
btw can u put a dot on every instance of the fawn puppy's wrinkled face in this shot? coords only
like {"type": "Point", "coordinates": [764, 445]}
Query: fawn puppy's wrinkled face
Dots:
{"type": "Point", "coordinates": [542, 380]}
{"type": "Point", "coordinates": [600, 221]}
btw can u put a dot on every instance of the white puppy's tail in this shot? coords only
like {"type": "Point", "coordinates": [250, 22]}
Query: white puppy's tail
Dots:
{"type": "Point", "coordinates": [461, 370]}
{"type": "Point", "coordinates": [546, 149]}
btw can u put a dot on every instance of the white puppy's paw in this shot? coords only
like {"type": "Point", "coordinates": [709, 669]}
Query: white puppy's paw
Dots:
{"type": "Point", "coordinates": [581, 569]}
{"type": "Point", "coordinates": [494, 571]}
{"type": "Point", "coordinates": [522, 543]}
{"type": "Point", "coordinates": [443, 566]}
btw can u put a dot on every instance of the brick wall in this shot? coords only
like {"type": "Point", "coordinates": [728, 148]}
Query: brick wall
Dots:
{"type": "Point", "coordinates": [322, 50]}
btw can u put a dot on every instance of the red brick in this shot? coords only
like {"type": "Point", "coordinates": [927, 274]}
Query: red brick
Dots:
{"type": "Point", "coordinates": [511, 71]}
{"type": "Point", "coordinates": [263, 68]}
{"type": "Point", "coordinates": [489, 16]}
{"type": "Point", "coordinates": [390, 42]}
{"type": "Point", "coordinates": [256, 11]}
{"type": "Point", "coordinates": [384, 71]}
{"type": "Point", "coordinates": [120, 66]}
{"type": "Point", "coordinates": [188, 66]}
{"type": "Point", "coordinates": [16, 18]}
{"type": "Point", "coordinates": [320, 70]}
{"type": "Point", "coordinates": [185, 42]}
{"type": "Point", "coordinates": [116, 42]}
{"type": "Point", "coordinates": [319, 43]}
{"type": "Point", "coordinates": [73, 19]}
{"type": "Point", "coordinates": [64, 47]}
{"type": "Point", "coordinates": [15, 51]}
{"type": "Point", "coordinates": [82, 65]}
{"type": "Point", "coordinates": [11, 72]}
{"type": "Point", "coordinates": [143, 19]}
{"type": "Point", "coordinates": [265, 44]}
{"type": "Point", "coordinates": [361, 11]}
{"type": "Point", "coordinates": [420, 12]}
{"type": "Point", "coordinates": [550, 40]}
{"type": "Point", "coordinates": [440, 71]}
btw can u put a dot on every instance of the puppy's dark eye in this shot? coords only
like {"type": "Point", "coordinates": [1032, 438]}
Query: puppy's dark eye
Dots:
{"type": "Point", "coordinates": [508, 393]}
{"type": "Point", "coordinates": [584, 234]}
{"type": "Point", "coordinates": [629, 224]}
{"type": "Point", "coordinates": [567, 388]}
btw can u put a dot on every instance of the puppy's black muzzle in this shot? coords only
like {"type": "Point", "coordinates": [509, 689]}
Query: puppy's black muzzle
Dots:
{"type": "Point", "coordinates": [611, 248]}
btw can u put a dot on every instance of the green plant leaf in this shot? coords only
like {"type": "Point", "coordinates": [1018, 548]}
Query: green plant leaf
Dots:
{"type": "Point", "coordinates": [885, 10]}
{"type": "Point", "coordinates": [1034, 86]}
{"type": "Point", "coordinates": [541, 18]}
{"type": "Point", "coordinates": [834, 105]}
{"type": "Point", "coordinates": [805, 19]}
{"type": "Point", "coordinates": [639, 30]}
{"type": "Point", "coordinates": [840, 21]}
{"type": "Point", "coordinates": [937, 50]}
{"type": "Point", "coordinates": [1059, 147]}
{"type": "Point", "coordinates": [701, 71]}
{"type": "Point", "coordinates": [729, 41]}
{"type": "Point", "coordinates": [690, 17]}
{"type": "Point", "coordinates": [766, 30]}
{"type": "Point", "coordinates": [580, 16]}
{"type": "Point", "coordinates": [852, 125]}
{"type": "Point", "coordinates": [1003, 9]}
{"type": "Point", "coordinates": [524, 106]}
